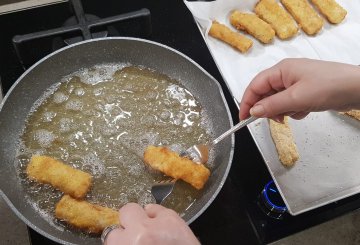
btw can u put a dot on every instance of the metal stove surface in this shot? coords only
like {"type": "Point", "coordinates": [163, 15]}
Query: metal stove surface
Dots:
{"type": "Point", "coordinates": [235, 216]}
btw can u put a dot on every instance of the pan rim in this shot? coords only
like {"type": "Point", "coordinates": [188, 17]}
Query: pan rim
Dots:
{"type": "Point", "coordinates": [232, 146]}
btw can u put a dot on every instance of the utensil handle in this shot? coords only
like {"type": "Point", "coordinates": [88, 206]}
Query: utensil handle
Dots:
{"type": "Point", "coordinates": [238, 126]}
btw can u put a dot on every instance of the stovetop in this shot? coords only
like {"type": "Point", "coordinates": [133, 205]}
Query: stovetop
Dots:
{"type": "Point", "coordinates": [234, 217]}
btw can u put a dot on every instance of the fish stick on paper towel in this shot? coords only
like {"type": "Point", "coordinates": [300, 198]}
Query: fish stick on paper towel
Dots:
{"type": "Point", "coordinates": [84, 215]}
{"type": "Point", "coordinates": [284, 142]}
{"type": "Point", "coordinates": [279, 19]}
{"type": "Point", "coordinates": [333, 12]}
{"type": "Point", "coordinates": [171, 164]}
{"type": "Point", "coordinates": [69, 180]}
{"type": "Point", "coordinates": [253, 25]}
{"type": "Point", "coordinates": [305, 15]}
{"type": "Point", "coordinates": [353, 113]}
{"type": "Point", "coordinates": [225, 34]}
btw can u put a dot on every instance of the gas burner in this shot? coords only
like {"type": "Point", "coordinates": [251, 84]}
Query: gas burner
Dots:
{"type": "Point", "coordinates": [59, 42]}
{"type": "Point", "coordinates": [271, 202]}
{"type": "Point", "coordinates": [81, 27]}
{"type": "Point", "coordinates": [73, 21]}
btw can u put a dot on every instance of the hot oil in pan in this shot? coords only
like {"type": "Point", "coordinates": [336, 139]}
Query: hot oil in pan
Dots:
{"type": "Point", "coordinates": [101, 124]}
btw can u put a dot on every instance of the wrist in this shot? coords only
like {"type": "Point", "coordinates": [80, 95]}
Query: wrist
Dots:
{"type": "Point", "coordinates": [354, 89]}
{"type": "Point", "coordinates": [349, 91]}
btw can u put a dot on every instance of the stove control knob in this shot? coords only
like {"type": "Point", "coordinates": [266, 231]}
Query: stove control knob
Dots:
{"type": "Point", "coordinates": [271, 202]}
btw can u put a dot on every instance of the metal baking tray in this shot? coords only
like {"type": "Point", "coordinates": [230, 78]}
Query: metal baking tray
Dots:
{"type": "Point", "coordinates": [10, 6]}
{"type": "Point", "coordinates": [328, 143]}
{"type": "Point", "coordinates": [329, 166]}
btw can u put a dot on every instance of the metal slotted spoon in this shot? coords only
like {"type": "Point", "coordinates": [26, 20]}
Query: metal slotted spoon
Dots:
{"type": "Point", "coordinates": [200, 153]}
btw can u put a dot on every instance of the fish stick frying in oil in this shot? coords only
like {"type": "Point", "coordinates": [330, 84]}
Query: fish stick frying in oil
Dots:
{"type": "Point", "coordinates": [284, 142]}
{"type": "Point", "coordinates": [253, 25]}
{"type": "Point", "coordinates": [171, 164]}
{"type": "Point", "coordinates": [225, 34]}
{"type": "Point", "coordinates": [47, 170]}
{"type": "Point", "coordinates": [333, 12]}
{"type": "Point", "coordinates": [84, 215]}
{"type": "Point", "coordinates": [279, 19]}
{"type": "Point", "coordinates": [305, 15]}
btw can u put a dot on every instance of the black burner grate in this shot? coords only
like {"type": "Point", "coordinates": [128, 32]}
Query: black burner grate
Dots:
{"type": "Point", "coordinates": [81, 27]}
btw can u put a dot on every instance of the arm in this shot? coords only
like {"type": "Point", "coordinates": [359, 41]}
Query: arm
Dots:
{"type": "Point", "coordinates": [297, 87]}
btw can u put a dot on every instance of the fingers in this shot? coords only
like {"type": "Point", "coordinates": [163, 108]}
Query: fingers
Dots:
{"type": "Point", "coordinates": [152, 210]}
{"type": "Point", "coordinates": [279, 118]}
{"type": "Point", "coordinates": [299, 115]}
{"type": "Point", "coordinates": [114, 237]}
{"type": "Point", "coordinates": [155, 210]}
{"type": "Point", "coordinates": [272, 106]}
{"type": "Point", "coordinates": [131, 214]}
{"type": "Point", "coordinates": [266, 83]}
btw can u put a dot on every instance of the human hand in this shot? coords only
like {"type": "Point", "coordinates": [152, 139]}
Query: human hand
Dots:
{"type": "Point", "coordinates": [153, 224]}
{"type": "Point", "coordinates": [297, 87]}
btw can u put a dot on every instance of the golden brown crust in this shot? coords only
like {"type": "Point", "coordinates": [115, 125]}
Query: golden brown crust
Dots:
{"type": "Point", "coordinates": [223, 33]}
{"type": "Point", "coordinates": [305, 15]}
{"type": "Point", "coordinates": [171, 164]}
{"type": "Point", "coordinates": [47, 170]}
{"type": "Point", "coordinates": [353, 113]}
{"type": "Point", "coordinates": [84, 215]}
{"type": "Point", "coordinates": [284, 142]}
{"type": "Point", "coordinates": [253, 25]}
{"type": "Point", "coordinates": [333, 12]}
{"type": "Point", "coordinates": [279, 19]}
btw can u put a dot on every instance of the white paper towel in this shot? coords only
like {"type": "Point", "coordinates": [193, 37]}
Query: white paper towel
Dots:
{"type": "Point", "coordinates": [335, 42]}
{"type": "Point", "coordinates": [329, 164]}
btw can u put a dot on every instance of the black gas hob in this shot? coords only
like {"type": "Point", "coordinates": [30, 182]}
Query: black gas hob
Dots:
{"type": "Point", "coordinates": [242, 213]}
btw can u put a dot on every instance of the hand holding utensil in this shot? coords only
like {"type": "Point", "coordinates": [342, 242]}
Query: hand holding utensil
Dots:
{"type": "Point", "coordinates": [200, 153]}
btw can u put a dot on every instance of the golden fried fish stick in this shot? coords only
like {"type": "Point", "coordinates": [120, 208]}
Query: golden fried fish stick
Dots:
{"type": "Point", "coordinates": [353, 113]}
{"type": "Point", "coordinates": [279, 19]}
{"type": "Point", "coordinates": [284, 142]}
{"type": "Point", "coordinates": [171, 164]}
{"type": "Point", "coordinates": [252, 25]}
{"type": "Point", "coordinates": [61, 176]}
{"type": "Point", "coordinates": [305, 15]}
{"type": "Point", "coordinates": [333, 12]}
{"type": "Point", "coordinates": [84, 215]}
{"type": "Point", "coordinates": [228, 36]}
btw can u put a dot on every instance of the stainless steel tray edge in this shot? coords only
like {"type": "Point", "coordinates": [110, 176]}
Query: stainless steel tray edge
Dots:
{"type": "Point", "coordinates": [318, 182]}
{"type": "Point", "coordinates": [270, 157]}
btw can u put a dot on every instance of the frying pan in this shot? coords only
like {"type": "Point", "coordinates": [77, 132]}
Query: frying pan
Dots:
{"type": "Point", "coordinates": [50, 70]}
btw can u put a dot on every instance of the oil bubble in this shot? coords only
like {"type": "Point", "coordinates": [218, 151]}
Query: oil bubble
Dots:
{"type": "Point", "coordinates": [79, 91]}
{"type": "Point", "coordinates": [60, 97]}
{"type": "Point", "coordinates": [74, 105]}
{"type": "Point", "coordinates": [48, 116]}
{"type": "Point", "coordinates": [44, 137]}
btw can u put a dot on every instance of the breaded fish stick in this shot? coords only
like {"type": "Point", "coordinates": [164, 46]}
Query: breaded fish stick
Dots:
{"type": "Point", "coordinates": [223, 33]}
{"type": "Point", "coordinates": [171, 164]}
{"type": "Point", "coordinates": [284, 142]}
{"type": "Point", "coordinates": [333, 12]}
{"type": "Point", "coordinates": [252, 25]}
{"type": "Point", "coordinates": [305, 15]}
{"type": "Point", "coordinates": [279, 19]}
{"type": "Point", "coordinates": [353, 113]}
{"type": "Point", "coordinates": [84, 215]}
{"type": "Point", "coordinates": [61, 176]}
